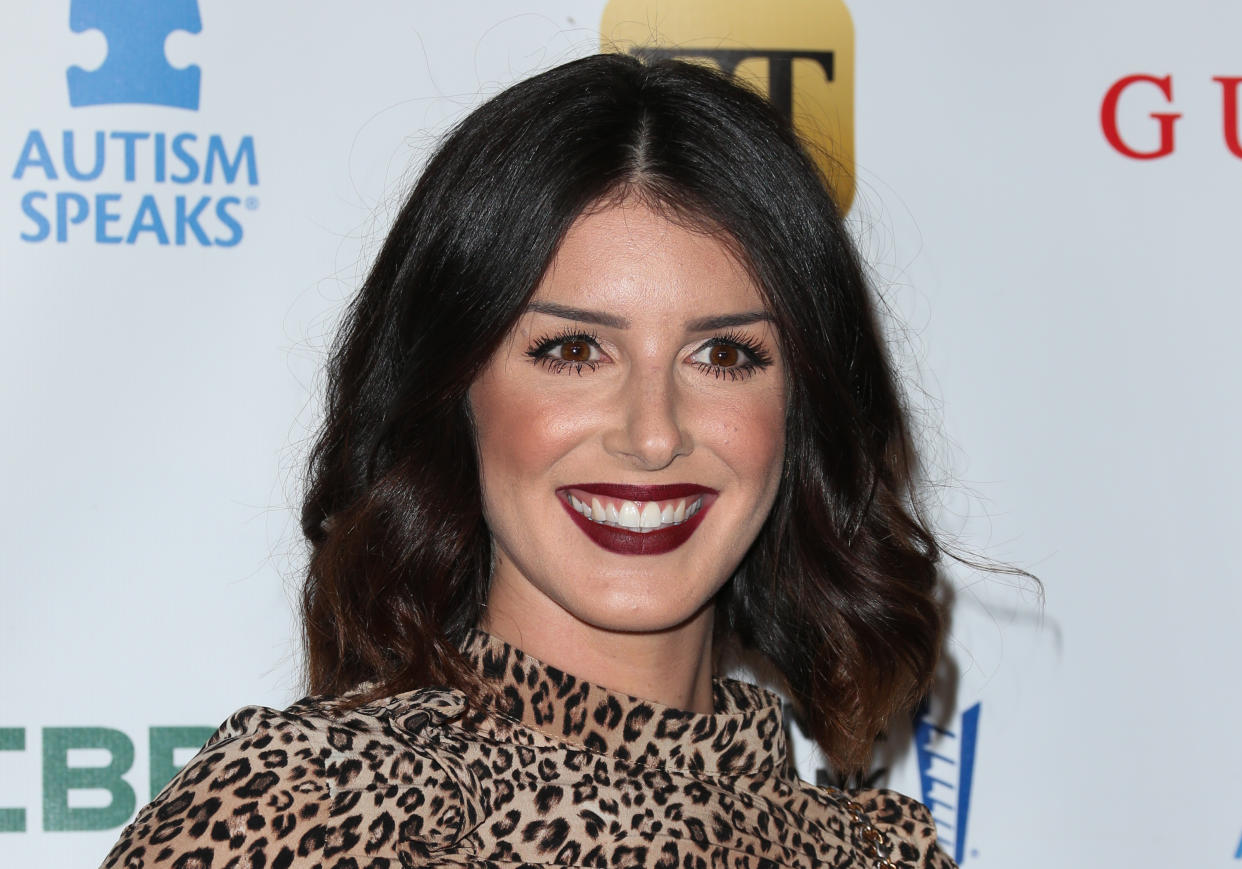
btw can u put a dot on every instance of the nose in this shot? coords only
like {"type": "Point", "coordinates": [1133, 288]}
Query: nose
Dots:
{"type": "Point", "coordinates": [649, 431]}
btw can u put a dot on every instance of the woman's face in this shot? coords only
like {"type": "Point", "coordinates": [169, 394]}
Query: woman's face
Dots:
{"type": "Point", "coordinates": [630, 430]}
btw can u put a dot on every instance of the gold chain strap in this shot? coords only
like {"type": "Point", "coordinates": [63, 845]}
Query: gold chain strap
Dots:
{"type": "Point", "coordinates": [868, 837]}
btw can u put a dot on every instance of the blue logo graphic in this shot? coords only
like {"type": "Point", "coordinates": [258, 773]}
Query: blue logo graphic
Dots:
{"type": "Point", "coordinates": [135, 70]}
{"type": "Point", "coordinates": [946, 773]}
{"type": "Point", "coordinates": [1238, 854]}
{"type": "Point", "coordinates": [171, 188]}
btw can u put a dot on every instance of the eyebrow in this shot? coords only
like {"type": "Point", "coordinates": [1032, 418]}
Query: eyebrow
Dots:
{"type": "Point", "coordinates": [581, 315]}
{"type": "Point", "coordinates": [728, 321]}
{"type": "Point", "coordinates": [610, 321]}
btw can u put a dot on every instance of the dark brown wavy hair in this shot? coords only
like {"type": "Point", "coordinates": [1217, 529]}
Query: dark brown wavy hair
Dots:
{"type": "Point", "coordinates": [839, 592]}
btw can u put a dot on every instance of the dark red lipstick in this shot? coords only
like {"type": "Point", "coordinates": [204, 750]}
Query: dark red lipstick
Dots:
{"type": "Point", "coordinates": [626, 542]}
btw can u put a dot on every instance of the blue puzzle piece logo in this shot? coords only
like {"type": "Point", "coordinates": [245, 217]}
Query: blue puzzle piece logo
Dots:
{"type": "Point", "coordinates": [135, 70]}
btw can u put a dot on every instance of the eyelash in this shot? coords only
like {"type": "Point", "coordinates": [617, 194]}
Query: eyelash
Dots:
{"type": "Point", "coordinates": [757, 358]}
{"type": "Point", "coordinates": [539, 350]}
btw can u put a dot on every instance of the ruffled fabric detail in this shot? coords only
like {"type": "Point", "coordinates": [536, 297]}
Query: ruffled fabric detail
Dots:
{"type": "Point", "coordinates": [744, 736]}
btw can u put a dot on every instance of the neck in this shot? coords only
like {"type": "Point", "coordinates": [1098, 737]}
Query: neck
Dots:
{"type": "Point", "coordinates": [672, 667]}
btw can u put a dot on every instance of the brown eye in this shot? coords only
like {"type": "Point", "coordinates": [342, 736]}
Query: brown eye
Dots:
{"type": "Point", "coordinates": [567, 352]}
{"type": "Point", "coordinates": [730, 357]}
{"type": "Point", "coordinates": [575, 351]}
{"type": "Point", "coordinates": [724, 355]}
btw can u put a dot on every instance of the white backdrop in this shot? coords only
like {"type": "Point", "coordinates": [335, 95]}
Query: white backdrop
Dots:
{"type": "Point", "coordinates": [1071, 316]}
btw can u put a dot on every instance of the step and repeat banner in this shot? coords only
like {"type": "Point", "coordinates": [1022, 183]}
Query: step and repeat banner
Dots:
{"type": "Point", "coordinates": [1048, 198]}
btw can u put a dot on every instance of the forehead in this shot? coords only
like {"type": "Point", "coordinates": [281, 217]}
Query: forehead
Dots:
{"type": "Point", "coordinates": [629, 256]}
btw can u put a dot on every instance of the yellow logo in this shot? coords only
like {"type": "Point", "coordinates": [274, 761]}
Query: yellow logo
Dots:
{"type": "Point", "coordinates": [798, 52]}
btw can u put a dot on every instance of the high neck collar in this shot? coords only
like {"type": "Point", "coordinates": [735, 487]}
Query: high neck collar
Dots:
{"type": "Point", "coordinates": [744, 735]}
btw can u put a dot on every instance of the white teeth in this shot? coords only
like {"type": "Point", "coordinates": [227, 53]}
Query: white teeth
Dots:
{"type": "Point", "coordinates": [629, 515]}
{"type": "Point", "coordinates": [651, 515]}
{"type": "Point", "coordinates": [637, 515]}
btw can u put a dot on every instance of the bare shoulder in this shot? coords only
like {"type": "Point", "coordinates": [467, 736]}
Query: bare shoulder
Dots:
{"type": "Point", "coordinates": [906, 824]}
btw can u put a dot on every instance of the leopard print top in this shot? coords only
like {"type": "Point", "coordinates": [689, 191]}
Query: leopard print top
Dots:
{"type": "Point", "coordinates": [553, 772]}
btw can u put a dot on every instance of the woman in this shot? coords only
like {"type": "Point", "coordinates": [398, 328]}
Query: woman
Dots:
{"type": "Point", "coordinates": [611, 400]}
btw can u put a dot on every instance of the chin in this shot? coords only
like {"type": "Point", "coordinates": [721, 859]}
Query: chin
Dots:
{"type": "Point", "coordinates": [624, 615]}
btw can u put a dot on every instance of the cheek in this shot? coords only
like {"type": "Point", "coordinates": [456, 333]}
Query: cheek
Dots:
{"type": "Point", "coordinates": [750, 436]}
{"type": "Point", "coordinates": [520, 433]}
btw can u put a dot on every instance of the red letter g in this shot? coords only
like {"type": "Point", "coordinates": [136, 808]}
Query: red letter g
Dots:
{"type": "Point", "coordinates": [1108, 117]}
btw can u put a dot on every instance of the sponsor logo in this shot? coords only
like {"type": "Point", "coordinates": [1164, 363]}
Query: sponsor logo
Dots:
{"type": "Point", "coordinates": [135, 186]}
{"type": "Point", "coordinates": [798, 52]}
{"type": "Point", "coordinates": [135, 70]}
{"type": "Point", "coordinates": [1151, 90]}
{"type": "Point", "coordinates": [946, 773]}
{"type": "Point", "coordinates": [169, 748]}
{"type": "Point", "coordinates": [157, 164]}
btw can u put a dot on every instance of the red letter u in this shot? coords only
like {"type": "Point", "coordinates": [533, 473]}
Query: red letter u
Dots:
{"type": "Point", "coordinates": [1108, 117]}
{"type": "Point", "coordinates": [1230, 88]}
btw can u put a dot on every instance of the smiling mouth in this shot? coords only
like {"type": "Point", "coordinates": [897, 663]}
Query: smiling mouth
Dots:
{"type": "Point", "coordinates": [637, 520]}
{"type": "Point", "coordinates": [641, 516]}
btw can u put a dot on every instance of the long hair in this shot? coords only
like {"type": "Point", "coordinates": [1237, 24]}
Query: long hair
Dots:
{"type": "Point", "coordinates": [839, 591]}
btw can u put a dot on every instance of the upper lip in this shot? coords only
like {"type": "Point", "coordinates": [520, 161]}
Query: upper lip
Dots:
{"type": "Point", "coordinates": [628, 492]}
